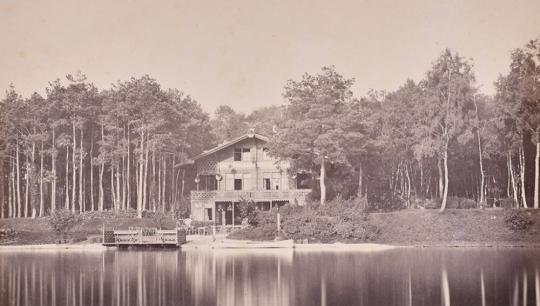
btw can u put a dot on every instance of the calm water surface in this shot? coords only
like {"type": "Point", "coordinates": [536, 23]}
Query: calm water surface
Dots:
{"type": "Point", "coordinates": [271, 277]}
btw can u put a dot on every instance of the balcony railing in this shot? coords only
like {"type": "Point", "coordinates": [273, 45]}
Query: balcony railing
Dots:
{"type": "Point", "coordinates": [256, 195]}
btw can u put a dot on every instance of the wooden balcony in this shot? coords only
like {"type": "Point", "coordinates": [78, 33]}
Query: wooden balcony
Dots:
{"type": "Point", "coordinates": [255, 195]}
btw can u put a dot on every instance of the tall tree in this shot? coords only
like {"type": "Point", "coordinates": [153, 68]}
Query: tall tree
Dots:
{"type": "Point", "coordinates": [310, 133]}
{"type": "Point", "coordinates": [520, 92]}
{"type": "Point", "coordinates": [449, 87]}
{"type": "Point", "coordinates": [228, 124]}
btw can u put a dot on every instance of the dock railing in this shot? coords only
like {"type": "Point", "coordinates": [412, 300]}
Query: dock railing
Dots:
{"type": "Point", "coordinates": [144, 236]}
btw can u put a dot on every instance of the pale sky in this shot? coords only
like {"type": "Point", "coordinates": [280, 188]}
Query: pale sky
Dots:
{"type": "Point", "coordinates": [241, 53]}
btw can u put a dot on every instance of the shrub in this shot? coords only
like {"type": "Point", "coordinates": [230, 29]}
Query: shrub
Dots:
{"type": "Point", "coordinates": [7, 234]}
{"type": "Point", "coordinates": [518, 220]}
{"type": "Point", "coordinates": [108, 214]}
{"type": "Point", "coordinates": [62, 221]}
{"type": "Point", "coordinates": [506, 203]}
{"type": "Point", "coordinates": [467, 203]}
{"type": "Point", "coordinates": [160, 218]}
{"type": "Point", "coordinates": [339, 220]}
{"type": "Point", "coordinates": [452, 202]}
{"type": "Point", "coordinates": [248, 211]}
{"type": "Point", "coordinates": [432, 203]}
{"type": "Point", "coordinates": [196, 224]}
{"type": "Point", "coordinates": [266, 232]}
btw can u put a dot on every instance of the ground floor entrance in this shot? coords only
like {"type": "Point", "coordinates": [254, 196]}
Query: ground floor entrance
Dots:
{"type": "Point", "coordinates": [228, 212]}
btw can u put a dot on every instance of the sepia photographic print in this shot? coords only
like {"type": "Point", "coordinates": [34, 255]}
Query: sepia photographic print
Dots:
{"type": "Point", "coordinates": [270, 152]}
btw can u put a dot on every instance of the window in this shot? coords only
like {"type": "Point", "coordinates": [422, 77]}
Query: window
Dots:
{"type": "Point", "coordinates": [209, 214]}
{"type": "Point", "coordinates": [276, 180]}
{"type": "Point", "coordinates": [237, 154]}
{"type": "Point", "coordinates": [237, 184]}
{"type": "Point", "coordinates": [208, 182]}
{"type": "Point", "coordinates": [246, 154]}
{"type": "Point", "coordinates": [272, 181]}
{"type": "Point", "coordinates": [242, 154]}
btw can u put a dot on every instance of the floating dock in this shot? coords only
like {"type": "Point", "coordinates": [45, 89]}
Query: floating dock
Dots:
{"type": "Point", "coordinates": [144, 237]}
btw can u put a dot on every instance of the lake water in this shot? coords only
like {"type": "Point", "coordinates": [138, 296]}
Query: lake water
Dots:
{"type": "Point", "coordinates": [471, 276]}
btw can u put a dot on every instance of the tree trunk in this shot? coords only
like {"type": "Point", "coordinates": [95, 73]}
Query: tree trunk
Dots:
{"type": "Point", "coordinates": [164, 182]}
{"type": "Point", "coordinates": [408, 186]}
{"type": "Point", "coordinates": [360, 193]}
{"type": "Point", "coordinates": [183, 183]}
{"type": "Point", "coordinates": [537, 169]}
{"type": "Point", "coordinates": [482, 174]}
{"type": "Point", "coordinates": [322, 181]}
{"type": "Point", "coordinates": [140, 178]}
{"type": "Point", "coordinates": [101, 171]}
{"type": "Point", "coordinates": [11, 205]}
{"type": "Point", "coordinates": [41, 202]}
{"type": "Point", "coordinates": [81, 168]}
{"type": "Point", "coordinates": [53, 171]}
{"type": "Point", "coordinates": [159, 182]}
{"type": "Point", "coordinates": [118, 196]}
{"type": "Point", "coordinates": [113, 193]}
{"type": "Point", "coordinates": [172, 205]}
{"type": "Point", "coordinates": [508, 176]}
{"type": "Point", "coordinates": [480, 156]}
{"type": "Point", "coordinates": [513, 179]}
{"type": "Point", "coordinates": [124, 184]}
{"type": "Point", "coordinates": [129, 168]}
{"type": "Point", "coordinates": [101, 192]}
{"type": "Point", "coordinates": [422, 180]}
{"type": "Point", "coordinates": [522, 176]}
{"type": "Point", "coordinates": [176, 191]}
{"type": "Point", "coordinates": [153, 187]}
{"type": "Point", "coordinates": [441, 175]}
{"type": "Point", "coordinates": [2, 189]}
{"type": "Point", "coordinates": [19, 206]}
{"type": "Point", "coordinates": [67, 204]}
{"type": "Point", "coordinates": [92, 202]}
{"type": "Point", "coordinates": [445, 193]}
{"type": "Point", "coordinates": [27, 189]}
{"type": "Point", "coordinates": [74, 174]}
{"type": "Point", "coordinates": [145, 175]}
{"type": "Point", "coordinates": [32, 182]}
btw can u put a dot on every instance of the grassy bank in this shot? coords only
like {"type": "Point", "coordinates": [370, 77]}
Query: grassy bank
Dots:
{"type": "Point", "coordinates": [411, 227]}
{"type": "Point", "coordinates": [406, 227]}
{"type": "Point", "coordinates": [38, 231]}
{"type": "Point", "coordinates": [429, 227]}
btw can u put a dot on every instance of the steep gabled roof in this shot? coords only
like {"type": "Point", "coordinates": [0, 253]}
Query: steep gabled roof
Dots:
{"type": "Point", "coordinates": [230, 143]}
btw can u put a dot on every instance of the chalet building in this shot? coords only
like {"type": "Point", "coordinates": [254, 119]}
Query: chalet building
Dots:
{"type": "Point", "coordinates": [241, 169]}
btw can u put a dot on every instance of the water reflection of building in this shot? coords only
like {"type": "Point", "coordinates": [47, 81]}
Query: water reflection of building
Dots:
{"type": "Point", "coordinates": [234, 277]}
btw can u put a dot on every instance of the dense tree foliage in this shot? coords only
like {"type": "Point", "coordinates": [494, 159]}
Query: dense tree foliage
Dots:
{"type": "Point", "coordinates": [431, 143]}
{"type": "Point", "coordinates": [425, 144]}
{"type": "Point", "coordinates": [81, 149]}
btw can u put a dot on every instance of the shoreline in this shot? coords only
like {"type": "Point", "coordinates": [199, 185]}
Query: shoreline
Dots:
{"type": "Point", "coordinates": [252, 245]}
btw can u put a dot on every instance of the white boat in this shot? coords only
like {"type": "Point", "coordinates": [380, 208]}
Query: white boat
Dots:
{"type": "Point", "coordinates": [239, 244]}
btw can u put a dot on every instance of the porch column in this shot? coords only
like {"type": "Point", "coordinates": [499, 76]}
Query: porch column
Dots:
{"type": "Point", "coordinates": [232, 213]}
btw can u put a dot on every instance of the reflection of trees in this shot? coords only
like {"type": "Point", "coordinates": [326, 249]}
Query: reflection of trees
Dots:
{"type": "Point", "coordinates": [445, 288]}
{"type": "Point", "coordinates": [264, 277]}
